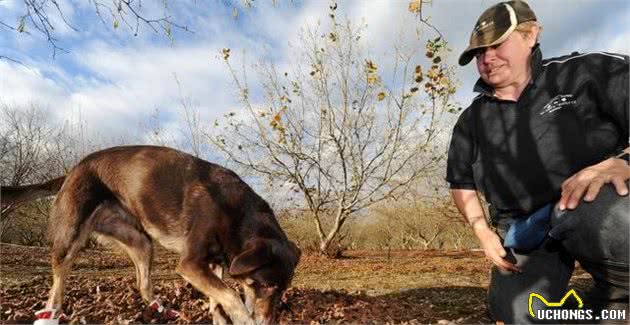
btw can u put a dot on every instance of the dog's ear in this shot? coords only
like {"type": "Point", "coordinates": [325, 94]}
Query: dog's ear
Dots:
{"type": "Point", "coordinates": [254, 257]}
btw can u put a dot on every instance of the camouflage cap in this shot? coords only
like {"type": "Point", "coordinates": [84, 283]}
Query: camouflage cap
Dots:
{"type": "Point", "coordinates": [495, 25]}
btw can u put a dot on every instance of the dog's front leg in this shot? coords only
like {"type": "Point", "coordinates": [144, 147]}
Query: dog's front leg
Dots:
{"type": "Point", "coordinates": [215, 308]}
{"type": "Point", "coordinates": [197, 273]}
{"type": "Point", "coordinates": [250, 296]}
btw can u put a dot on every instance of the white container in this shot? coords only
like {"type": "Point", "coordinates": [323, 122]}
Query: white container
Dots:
{"type": "Point", "coordinates": [46, 317]}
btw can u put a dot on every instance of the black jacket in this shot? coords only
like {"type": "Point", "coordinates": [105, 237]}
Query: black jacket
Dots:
{"type": "Point", "coordinates": [572, 114]}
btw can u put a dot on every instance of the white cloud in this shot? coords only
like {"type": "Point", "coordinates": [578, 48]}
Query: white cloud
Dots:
{"type": "Point", "coordinates": [620, 43]}
{"type": "Point", "coordinates": [123, 86]}
{"type": "Point", "coordinates": [22, 85]}
{"type": "Point", "coordinates": [8, 4]}
{"type": "Point", "coordinates": [117, 80]}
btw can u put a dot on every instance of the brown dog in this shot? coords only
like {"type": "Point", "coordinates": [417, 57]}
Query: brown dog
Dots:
{"type": "Point", "coordinates": [134, 195]}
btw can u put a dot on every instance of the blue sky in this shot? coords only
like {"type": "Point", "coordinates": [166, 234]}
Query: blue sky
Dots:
{"type": "Point", "coordinates": [115, 81]}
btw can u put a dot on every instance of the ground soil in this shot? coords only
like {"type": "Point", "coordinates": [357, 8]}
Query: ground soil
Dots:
{"type": "Point", "coordinates": [406, 287]}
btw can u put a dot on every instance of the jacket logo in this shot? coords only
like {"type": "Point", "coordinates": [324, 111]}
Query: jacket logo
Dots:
{"type": "Point", "coordinates": [558, 102]}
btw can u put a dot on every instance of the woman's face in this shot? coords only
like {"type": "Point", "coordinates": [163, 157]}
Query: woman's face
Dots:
{"type": "Point", "coordinates": [506, 64]}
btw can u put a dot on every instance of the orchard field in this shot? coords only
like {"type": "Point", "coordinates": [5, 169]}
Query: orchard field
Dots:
{"type": "Point", "coordinates": [367, 287]}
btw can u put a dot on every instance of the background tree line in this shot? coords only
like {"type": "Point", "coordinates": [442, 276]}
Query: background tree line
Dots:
{"type": "Point", "coordinates": [33, 149]}
{"type": "Point", "coordinates": [353, 144]}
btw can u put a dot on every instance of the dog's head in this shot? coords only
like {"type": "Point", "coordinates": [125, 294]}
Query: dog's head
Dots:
{"type": "Point", "coordinates": [265, 270]}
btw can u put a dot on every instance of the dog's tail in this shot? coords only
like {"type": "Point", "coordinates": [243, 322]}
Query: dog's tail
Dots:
{"type": "Point", "coordinates": [12, 196]}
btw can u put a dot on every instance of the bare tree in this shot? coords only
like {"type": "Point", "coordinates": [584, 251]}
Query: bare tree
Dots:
{"type": "Point", "coordinates": [33, 149]}
{"type": "Point", "coordinates": [24, 134]}
{"type": "Point", "coordinates": [193, 132]}
{"type": "Point", "coordinates": [426, 237]}
{"type": "Point", "coordinates": [24, 138]}
{"type": "Point", "coordinates": [461, 236]}
{"type": "Point", "coordinates": [458, 231]}
{"type": "Point", "coordinates": [44, 16]}
{"type": "Point", "coordinates": [31, 223]}
{"type": "Point", "coordinates": [414, 225]}
{"type": "Point", "coordinates": [334, 131]}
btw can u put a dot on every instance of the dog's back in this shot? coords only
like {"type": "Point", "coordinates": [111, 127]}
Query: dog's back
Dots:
{"type": "Point", "coordinates": [166, 190]}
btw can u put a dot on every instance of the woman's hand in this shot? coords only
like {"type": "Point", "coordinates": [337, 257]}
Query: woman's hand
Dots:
{"type": "Point", "coordinates": [469, 206]}
{"type": "Point", "coordinates": [587, 182]}
{"type": "Point", "coordinates": [492, 247]}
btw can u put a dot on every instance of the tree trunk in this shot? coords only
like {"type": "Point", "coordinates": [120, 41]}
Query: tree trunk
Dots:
{"type": "Point", "coordinates": [324, 245]}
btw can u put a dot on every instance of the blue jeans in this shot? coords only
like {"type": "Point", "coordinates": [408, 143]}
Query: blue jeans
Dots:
{"type": "Point", "coordinates": [595, 234]}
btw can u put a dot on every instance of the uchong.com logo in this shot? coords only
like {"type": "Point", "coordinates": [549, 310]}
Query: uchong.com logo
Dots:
{"type": "Point", "coordinates": [555, 310]}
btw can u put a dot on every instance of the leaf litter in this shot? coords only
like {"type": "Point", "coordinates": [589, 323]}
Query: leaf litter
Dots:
{"type": "Point", "coordinates": [412, 287]}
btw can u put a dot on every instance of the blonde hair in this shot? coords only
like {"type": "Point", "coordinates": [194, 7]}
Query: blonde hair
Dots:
{"type": "Point", "coordinates": [527, 28]}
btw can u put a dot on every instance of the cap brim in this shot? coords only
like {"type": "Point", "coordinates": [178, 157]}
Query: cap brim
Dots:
{"type": "Point", "coordinates": [468, 55]}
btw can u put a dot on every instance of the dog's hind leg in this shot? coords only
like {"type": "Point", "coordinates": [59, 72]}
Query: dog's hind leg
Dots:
{"type": "Point", "coordinates": [215, 308]}
{"type": "Point", "coordinates": [71, 222]}
{"type": "Point", "coordinates": [115, 224]}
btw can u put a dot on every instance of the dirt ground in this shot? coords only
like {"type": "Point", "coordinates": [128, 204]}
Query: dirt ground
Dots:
{"type": "Point", "coordinates": [409, 287]}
